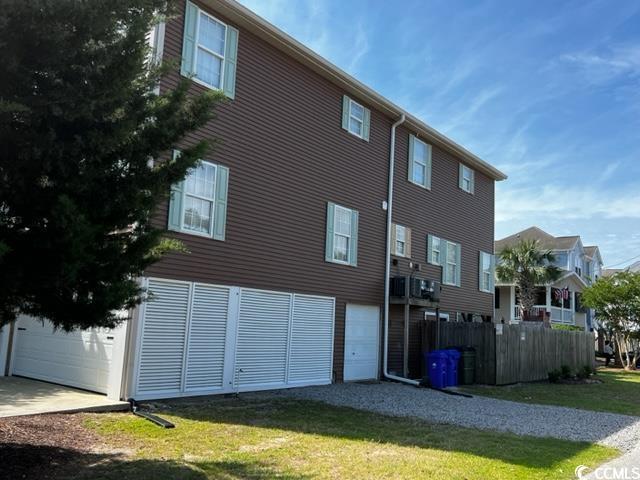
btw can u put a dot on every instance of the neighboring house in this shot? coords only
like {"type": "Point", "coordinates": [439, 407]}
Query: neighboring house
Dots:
{"type": "Point", "coordinates": [634, 267]}
{"type": "Point", "coordinates": [285, 223]}
{"type": "Point", "coordinates": [558, 302]}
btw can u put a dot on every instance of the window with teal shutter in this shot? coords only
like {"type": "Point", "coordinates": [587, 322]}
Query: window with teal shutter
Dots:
{"type": "Point", "coordinates": [341, 244]}
{"type": "Point", "coordinates": [209, 50]}
{"type": "Point", "coordinates": [419, 162]}
{"type": "Point", "coordinates": [451, 259]}
{"type": "Point", "coordinates": [198, 204]}
{"type": "Point", "coordinates": [356, 119]}
{"type": "Point", "coordinates": [466, 179]}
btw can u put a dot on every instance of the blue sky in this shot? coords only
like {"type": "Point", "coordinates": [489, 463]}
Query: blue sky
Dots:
{"type": "Point", "coordinates": [547, 91]}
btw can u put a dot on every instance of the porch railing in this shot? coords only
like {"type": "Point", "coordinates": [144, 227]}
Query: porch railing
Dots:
{"type": "Point", "coordinates": [558, 315]}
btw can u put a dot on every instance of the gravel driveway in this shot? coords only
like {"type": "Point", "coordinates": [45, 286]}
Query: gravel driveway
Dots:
{"type": "Point", "coordinates": [619, 431]}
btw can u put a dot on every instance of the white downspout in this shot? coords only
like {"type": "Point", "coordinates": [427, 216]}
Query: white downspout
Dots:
{"type": "Point", "coordinates": [387, 259]}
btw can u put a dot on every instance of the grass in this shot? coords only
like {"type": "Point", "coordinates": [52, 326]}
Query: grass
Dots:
{"type": "Point", "coordinates": [231, 438]}
{"type": "Point", "coordinates": [619, 393]}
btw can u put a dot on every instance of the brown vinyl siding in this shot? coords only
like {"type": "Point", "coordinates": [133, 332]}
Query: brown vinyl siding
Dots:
{"type": "Point", "coordinates": [282, 140]}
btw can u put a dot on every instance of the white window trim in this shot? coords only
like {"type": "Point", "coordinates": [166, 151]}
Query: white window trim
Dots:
{"type": "Point", "coordinates": [447, 263]}
{"type": "Point", "coordinates": [212, 200]}
{"type": "Point", "coordinates": [485, 271]}
{"type": "Point", "coordinates": [351, 102]}
{"type": "Point", "coordinates": [470, 171]}
{"type": "Point", "coordinates": [433, 262]}
{"type": "Point", "coordinates": [404, 242]}
{"type": "Point", "coordinates": [199, 45]}
{"type": "Point", "coordinates": [348, 236]}
{"type": "Point", "coordinates": [426, 164]}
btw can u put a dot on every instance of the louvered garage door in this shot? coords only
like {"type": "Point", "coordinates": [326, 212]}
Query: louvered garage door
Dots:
{"type": "Point", "coordinates": [207, 335]}
{"type": "Point", "coordinates": [263, 332]}
{"type": "Point", "coordinates": [164, 338]}
{"type": "Point", "coordinates": [199, 339]}
{"type": "Point", "coordinates": [311, 352]}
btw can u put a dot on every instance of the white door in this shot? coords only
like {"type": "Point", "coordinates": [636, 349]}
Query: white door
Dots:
{"type": "Point", "coordinates": [361, 342]}
{"type": "Point", "coordinates": [80, 358]}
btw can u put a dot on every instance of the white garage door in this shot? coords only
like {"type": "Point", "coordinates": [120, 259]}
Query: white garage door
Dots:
{"type": "Point", "coordinates": [80, 359]}
{"type": "Point", "coordinates": [361, 343]}
{"type": "Point", "coordinates": [199, 338]}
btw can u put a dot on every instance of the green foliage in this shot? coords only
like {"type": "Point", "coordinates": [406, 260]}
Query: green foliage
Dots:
{"type": "Point", "coordinates": [554, 376]}
{"type": "Point", "coordinates": [616, 300]}
{"type": "Point", "coordinates": [584, 372]}
{"type": "Point", "coordinates": [567, 328]}
{"type": "Point", "coordinates": [78, 124]}
{"type": "Point", "coordinates": [565, 371]}
{"type": "Point", "coordinates": [526, 265]}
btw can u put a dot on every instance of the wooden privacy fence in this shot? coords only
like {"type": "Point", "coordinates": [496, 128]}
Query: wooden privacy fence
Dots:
{"type": "Point", "coordinates": [514, 353]}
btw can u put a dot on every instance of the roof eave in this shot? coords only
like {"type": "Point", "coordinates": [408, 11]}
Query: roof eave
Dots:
{"type": "Point", "coordinates": [268, 32]}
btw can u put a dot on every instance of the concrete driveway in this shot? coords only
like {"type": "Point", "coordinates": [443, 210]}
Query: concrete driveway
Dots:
{"type": "Point", "coordinates": [22, 396]}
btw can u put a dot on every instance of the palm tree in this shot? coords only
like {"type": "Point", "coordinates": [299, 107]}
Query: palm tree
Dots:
{"type": "Point", "coordinates": [526, 265]}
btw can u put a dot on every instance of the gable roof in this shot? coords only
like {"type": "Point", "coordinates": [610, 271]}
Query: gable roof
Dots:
{"type": "Point", "coordinates": [546, 241]}
{"type": "Point", "coordinates": [247, 19]}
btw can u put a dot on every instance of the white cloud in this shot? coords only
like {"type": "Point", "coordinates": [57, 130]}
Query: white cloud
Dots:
{"type": "Point", "coordinates": [602, 67]}
{"type": "Point", "coordinates": [568, 202]}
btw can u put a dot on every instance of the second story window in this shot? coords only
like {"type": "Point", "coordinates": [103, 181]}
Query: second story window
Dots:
{"type": "Point", "coordinates": [342, 235]}
{"type": "Point", "coordinates": [448, 255]}
{"type": "Point", "coordinates": [419, 162]}
{"type": "Point", "coordinates": [433, 250]}
{"type": "Point", "coordinates": [400, 241]}
{"type": "Point", "coordinates": [466, 179]}
{"type": "Point", "coordinates": [486, 272]}
{"type": "Point", "coordinates": [198, 204]}
{"type": "Point", "coordinates": [199, 197]}
{"type": "Point", "coordinates": [209, 50]}
{"type": "Point", "coordinates": [356, 119]}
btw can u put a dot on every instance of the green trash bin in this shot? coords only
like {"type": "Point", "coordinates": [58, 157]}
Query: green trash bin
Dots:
{"type": "Point", "coordinates": [467, 366]}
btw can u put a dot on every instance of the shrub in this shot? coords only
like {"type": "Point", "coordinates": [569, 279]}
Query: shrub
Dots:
{"type": "Point", "coordinates": [565, 371]}
{"type": "Point", "coordinates": [554, 376]}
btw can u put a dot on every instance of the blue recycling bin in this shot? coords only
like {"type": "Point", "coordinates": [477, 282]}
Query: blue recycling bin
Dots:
{"type": "Point", "coordinates": [437, 367]}
{"type": "Point", "coordinates": [453, 359]}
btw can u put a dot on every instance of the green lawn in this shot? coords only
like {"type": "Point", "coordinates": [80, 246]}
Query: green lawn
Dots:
{"type": "Point", "coordinates": [231, 438]}
{"type": "Point", "coordinates": [618, 394]}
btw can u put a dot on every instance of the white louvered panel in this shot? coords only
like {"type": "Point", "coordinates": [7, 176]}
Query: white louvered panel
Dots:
{"type": "Point", "coordinates": [311, 350]}
{"type": "Point", "coordinates": [263, 331]}
{"type": "Point", "coordinates": [207, 334]}
{"type": "Point", "coordinates": [163, 337]}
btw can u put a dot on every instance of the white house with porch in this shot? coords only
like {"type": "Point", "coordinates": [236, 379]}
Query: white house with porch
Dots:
{"type": "Point", "coordinates": [557, 302]}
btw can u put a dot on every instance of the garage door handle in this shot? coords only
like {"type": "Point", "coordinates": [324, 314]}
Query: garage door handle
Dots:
{"type": "Point", "coordinates": [109, 338]}
{"type": "Point", "coordinates": [21, 328]}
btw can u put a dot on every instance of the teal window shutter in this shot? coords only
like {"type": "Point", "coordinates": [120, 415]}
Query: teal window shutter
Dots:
{"type": "Point", "coordinates": [175, 206]}
{"type": "Point", "coordinates": [345, 112]}
{"type": "Point", "coordinates": [444, 245]}
{"type": "Point", "coordinates": [366, 124]}
{"type": "Point", "coordinates": [175, 203]}
{"type": "Point", "coordinates": [220, 207]}
{"type": "Point", "coordinates": [230, 62]}
{"type": "Point", "coordinates": [458, 264]}
{"type": "Point", "coordinates": [429, 248]}
{"type": "Point", "coordinates": [480, 270]}
{"type": "Point", "coordinates": [328, 254]}
{"type": "Point", "coordinates": [353, 248]}
{"type": "Point", "coordinates": [461, 176]}
{"type": "Point", "coordinates": [412, 141]}
{"type": "Point", "coordinates": [187, 67]}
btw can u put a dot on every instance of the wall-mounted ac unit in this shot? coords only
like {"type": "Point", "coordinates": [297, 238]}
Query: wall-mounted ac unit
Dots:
{"type": "Point", "coordinates": [414, 287]}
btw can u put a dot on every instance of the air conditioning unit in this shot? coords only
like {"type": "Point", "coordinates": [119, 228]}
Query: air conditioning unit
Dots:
{"type": "Point", "coordinates": [417, 288]}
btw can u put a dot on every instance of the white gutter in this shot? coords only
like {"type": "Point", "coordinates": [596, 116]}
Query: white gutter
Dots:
{"type": "Point", "coordinates": [387, 259]}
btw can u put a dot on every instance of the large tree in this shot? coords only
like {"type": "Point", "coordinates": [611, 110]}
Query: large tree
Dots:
{"type": "Point", "coordinates": [79, 125]}
{"type": "Point", "coordinates": [616, 300]}
{"type": "Point", "coordinates": [528, 266]}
